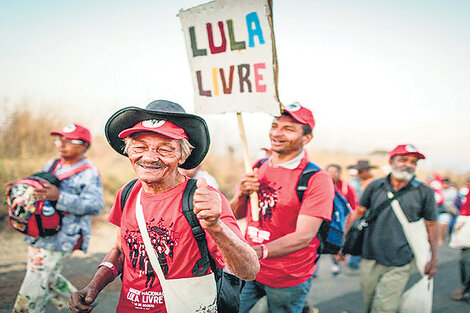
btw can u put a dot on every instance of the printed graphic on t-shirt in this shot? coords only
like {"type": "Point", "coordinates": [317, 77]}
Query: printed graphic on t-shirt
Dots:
{"type": "Point", "coordinates": [268, 198]}
{"type": "Point", "coordinates": [257, 235]}
{"type": "Point", "coordinates": [145, 300]}
{"type": "Point", "coordinates": [163, 241]}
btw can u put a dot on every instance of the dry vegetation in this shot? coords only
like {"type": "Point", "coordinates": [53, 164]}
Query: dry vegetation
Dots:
{"type": "Point", "coordinates": [25, 146]}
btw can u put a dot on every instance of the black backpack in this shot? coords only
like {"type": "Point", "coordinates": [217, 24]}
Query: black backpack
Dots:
{"type": "Point", "coordinates": [228, 286]}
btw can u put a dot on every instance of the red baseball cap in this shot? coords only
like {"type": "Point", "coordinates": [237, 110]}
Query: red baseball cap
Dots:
{"type": "Point", "coordinates": [406, 149]}
{"type": "Point", "coordinates": [161, 127]}
{"type": "Point", "coordinates": [74, 131]}
{"type": "Point", "coordinates": [300, 114]}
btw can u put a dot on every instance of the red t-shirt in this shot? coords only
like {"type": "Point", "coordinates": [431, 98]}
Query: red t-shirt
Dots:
{"type": "Point", "coordinates": [465, 209]}
{"type": "Point", "coordinates": [172, 239]}
{"type": "Point", "coordinates": [348, 192]}
{"type": "Point", "coordinates": [280, 208]}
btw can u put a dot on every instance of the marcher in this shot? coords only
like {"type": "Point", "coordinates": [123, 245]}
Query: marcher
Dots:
{"type": "Point", "coordinates": [345, 188]}
{"type": "Point", "coordinates": [462, 293]}
{"type": "Point", "coordinates": [363, 178]}
{"type": "Point", "coordinates": [284, 238]}
{"type": "Point", "coordinates": [80, 196]}
{"type": "Point", "coordinates": [349, 193]}
{"type": "Point", "coordinates": [157, 140]}
{"type": "Point", "coordinates": [449, 209]}
{"type": "Point", "coordinates": [386, 255]}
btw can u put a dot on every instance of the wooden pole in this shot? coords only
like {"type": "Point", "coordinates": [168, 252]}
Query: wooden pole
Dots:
{"type": "Point", "coordinates": [246, 158]}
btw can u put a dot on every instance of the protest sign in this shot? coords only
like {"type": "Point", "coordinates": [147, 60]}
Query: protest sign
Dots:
{"type": "Point", "coordinates": [232, 56]}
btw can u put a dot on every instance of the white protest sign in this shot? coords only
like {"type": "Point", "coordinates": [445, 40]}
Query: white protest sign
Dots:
{"type": "Point", "coordinates": [231, 56]}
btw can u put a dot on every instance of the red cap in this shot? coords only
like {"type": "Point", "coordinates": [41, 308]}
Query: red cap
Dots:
{"type": "Point", "coordinates": [74, 131]}
{"type": "Point", "coordinates": [406, 149]}
{"type": "Point", "coordinates": [300, 114]}
{"type": "Point", "coordinates": [161, 127]}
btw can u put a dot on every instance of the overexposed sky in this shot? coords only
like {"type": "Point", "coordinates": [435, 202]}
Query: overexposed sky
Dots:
{"type": "Point", "coordinates": [375, 73]}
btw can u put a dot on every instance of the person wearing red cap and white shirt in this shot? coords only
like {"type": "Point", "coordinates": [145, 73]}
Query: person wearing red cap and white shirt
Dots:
{"type": "Point", "coordinates": [158, 140]}
{"type": "Point", "coordinates": [80, 195]}
{"type": "Point", "coordinates": [387, 258]}
{"type": "Point", "coordinates": [284, 238]}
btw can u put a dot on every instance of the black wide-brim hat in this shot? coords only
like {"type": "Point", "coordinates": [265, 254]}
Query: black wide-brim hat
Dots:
{"type": "Point", "coordinates": [194, 126]}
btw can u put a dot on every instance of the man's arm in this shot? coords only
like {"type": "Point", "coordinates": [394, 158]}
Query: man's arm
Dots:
{"type": "Point", "coordinates": [241, 258]}
{"type": "Point", "coordinates": [433, 234]}
{"type": "Point", "coordinates": [88, 202]}
{"type": "Point", "coordinates": [248, 184]}
{"type": "Point", "coordinates": [81, 301]}
{"type": "Point", "coordinates": [306, 229]}
{"type": "Point", "coordinates": [353, 216]}
{"type": "Point", "coordinates": [430, 214]}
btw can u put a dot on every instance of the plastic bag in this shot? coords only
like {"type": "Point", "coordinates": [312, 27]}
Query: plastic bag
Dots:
{"type": "Point", "coordinates": [460, 237]}
{"type": "Point", "coordinates": [418, 299]}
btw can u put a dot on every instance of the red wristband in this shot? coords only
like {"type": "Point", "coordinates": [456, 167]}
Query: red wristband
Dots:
{"type": "Point", "coordinates": [110, 266]}
{"type": "Point", "coordinates": [264, 251]}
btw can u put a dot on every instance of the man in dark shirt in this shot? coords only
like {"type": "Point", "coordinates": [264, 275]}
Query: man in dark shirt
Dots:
{"type": "Point", "coordinates": [387, 256]}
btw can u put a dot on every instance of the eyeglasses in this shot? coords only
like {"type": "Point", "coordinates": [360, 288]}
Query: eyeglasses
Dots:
{"type": "Point", "coordinates": [60, 141]}
{"type": "Point", "coordinates": [164, 150]}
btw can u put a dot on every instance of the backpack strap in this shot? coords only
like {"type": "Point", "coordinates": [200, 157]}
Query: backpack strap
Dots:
{"type": "Point", "coordinates": [54, 165]}
{"type": "Point", "coordinates": [260, 162]}
{"type": "Point", "coordinates": [308, 171]}
{"type": "Point", "coordinates": [373, 214]}
{"type": "Point", "coordinates": [126, 191]}
{"type": "Point", "coordinates": [203, 264]}
{"type": "Point", "coordinates": [70, 173]}
{"type": "Point", "coordinates": [74, 171]}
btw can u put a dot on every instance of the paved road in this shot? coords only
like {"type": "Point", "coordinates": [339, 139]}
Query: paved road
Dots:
{"type": "Point", "coordinates": [330, 294]}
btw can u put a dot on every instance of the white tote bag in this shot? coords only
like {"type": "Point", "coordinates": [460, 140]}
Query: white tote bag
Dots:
{"type": "Point", "coordinates": [418, 299]}
{"type": "Point", "coordinates": [416, 234]}
{"type": "Point", "coordinates": [460, 237]}
{"type": "Point", "coordinates": [188, 295]}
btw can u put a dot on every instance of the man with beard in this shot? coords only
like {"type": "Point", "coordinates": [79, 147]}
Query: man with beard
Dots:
{"type": "Point", "coordinates": [387, 258]}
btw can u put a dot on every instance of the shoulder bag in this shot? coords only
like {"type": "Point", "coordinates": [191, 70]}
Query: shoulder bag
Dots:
{"type": "Point", "coordinates": [355, 236]}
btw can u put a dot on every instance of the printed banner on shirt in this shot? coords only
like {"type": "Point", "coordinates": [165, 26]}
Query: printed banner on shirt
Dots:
{"type": "Point", "coordinates": [231, 56]}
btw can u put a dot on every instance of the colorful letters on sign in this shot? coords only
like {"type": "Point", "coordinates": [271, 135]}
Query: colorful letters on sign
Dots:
{"type": "Point", "coordinates": [230, 50]}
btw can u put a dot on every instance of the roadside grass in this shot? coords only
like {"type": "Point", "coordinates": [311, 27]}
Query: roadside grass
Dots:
{"type": "Point", "coordinates": [26, 145]}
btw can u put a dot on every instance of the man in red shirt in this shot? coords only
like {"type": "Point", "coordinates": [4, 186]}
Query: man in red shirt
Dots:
{"type": "Point", "coordinates": [158, 140]}
{"type": "Point", "coordinates": [346, 189]}
{"type": "Point", "coordinates": [348, 192]}
{"type": "Point", "coordinates": [284, 237]}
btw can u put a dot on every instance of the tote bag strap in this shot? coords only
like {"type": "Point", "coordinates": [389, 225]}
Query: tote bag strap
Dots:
{"type": "Point", "coordinates": [139, 214]}
{"type": "Point", "coordinates": [416, 235]}
{"type": "Point", "coordinates": [204, 297]}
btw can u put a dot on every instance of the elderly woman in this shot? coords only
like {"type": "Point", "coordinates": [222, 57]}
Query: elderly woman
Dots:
{"type": "Point", "coordinates": [158, 140]}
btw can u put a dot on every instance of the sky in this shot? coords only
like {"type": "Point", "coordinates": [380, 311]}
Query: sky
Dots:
{"type": "Point", "coordinates": [374, 73]}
